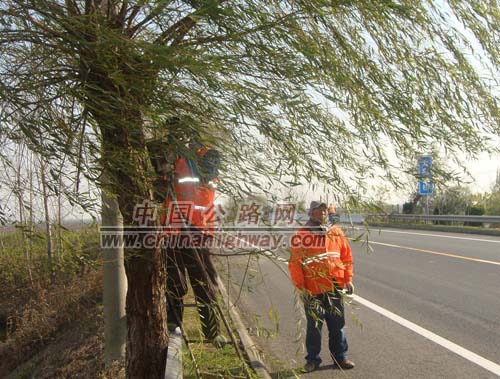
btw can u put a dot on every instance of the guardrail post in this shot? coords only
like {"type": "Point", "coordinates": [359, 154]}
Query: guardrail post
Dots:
{"type": "Point", "coordinates": [173, 368]}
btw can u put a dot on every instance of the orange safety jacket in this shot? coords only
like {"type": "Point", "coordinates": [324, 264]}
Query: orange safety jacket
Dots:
{"type": "Point", "coordinates": [318, 259]}
{"type": "Point", "coordinates": [194, 197]}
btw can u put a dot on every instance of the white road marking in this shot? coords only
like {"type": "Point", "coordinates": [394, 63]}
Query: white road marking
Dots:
{"type": "Point", "coordinates": [440, 235]}
{"type": "Point", "coordinates": [453, 347]}
{"type": "Point", "coordinates": [438, 253]}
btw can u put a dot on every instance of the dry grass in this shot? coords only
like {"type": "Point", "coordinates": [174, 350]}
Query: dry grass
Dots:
{"type": "Point", "coordinates": [52, 326]}
{"type": "Point", "coordinates": [62, 336]}
{"type": "Point", "coordinates": [49, 313]}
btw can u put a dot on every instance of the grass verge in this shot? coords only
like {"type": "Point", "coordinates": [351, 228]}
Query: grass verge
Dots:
{"type": "Point", "coordinates": [212, 362]}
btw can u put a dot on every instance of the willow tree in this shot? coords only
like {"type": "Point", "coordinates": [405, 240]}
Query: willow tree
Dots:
{"type": "Point", "coordinates": [292, 91]}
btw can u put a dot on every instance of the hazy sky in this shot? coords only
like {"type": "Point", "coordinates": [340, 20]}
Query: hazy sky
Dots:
{"type": "Point", "coordinates": [484, 172]}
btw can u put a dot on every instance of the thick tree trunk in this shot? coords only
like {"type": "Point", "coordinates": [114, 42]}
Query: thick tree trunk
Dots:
{"type": "Point", "coordinates": [116, 106]}
{"type": "Point", "coordinates": [146, 315]}
{"type": "Point", "coordinates": [147, 336]}
{"type": "Point", "coordinates": [126, 161]}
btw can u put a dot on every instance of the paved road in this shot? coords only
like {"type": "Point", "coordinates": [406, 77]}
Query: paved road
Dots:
{"type": "Point", "coordinates": [446, 283]}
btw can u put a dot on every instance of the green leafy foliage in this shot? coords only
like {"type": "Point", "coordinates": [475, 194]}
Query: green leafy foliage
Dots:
{"type": "Point", "coordinates": [493, 204]}
{"type": "Point", "coordinates": [453, 201]}
{"type": "Point", "coordinates": [309, 90]}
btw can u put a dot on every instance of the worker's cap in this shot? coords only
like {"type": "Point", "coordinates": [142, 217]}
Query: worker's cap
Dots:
{"type": "Point", "coordinates": [316, 204]}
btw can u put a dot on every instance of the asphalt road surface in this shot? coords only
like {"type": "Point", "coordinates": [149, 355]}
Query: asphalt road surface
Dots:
{"type": "Point", "coordinates": [426, 305]}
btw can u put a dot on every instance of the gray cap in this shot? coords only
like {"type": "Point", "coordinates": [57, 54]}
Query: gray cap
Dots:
{"type": "Point", "coordinates": [316, 204]}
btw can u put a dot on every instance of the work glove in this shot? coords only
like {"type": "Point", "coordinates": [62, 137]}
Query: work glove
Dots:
{"type": "Point", "coordinates": [349, 288]}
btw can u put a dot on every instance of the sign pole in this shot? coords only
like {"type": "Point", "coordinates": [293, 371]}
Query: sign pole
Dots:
{"type": "Point", "coordinates": [425, 185]}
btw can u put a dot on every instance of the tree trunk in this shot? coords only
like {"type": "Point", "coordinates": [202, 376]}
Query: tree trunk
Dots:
{"type": "Point", "coordinates": [48, 230]}
{"type": "Point", "coordinates": [31, 225]}
{"type": "Point", "coordinates": [126, 161]}
{"type": "Point", "coordinates": [115, 286]}
{"type": "Point", "coordinates": [59, 217]}
{"type": "Point", "coordinates": [20, 201]}
{"type": "Point", "coordinates": [116, 107]}
{"type": "Point", "coordinates": [147, 337]}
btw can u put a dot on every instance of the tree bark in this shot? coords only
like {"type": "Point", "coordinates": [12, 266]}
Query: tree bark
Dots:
{"type": "Point", "coordinates": [116, 107]}
{"type": "Point", "coordinates": [126, 160]}
{"type": "Point", "coordinates": [147, 337]}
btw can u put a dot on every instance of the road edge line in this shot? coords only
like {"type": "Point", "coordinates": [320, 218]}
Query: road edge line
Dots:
{"type": "Point", "coordinates": [447, 344]}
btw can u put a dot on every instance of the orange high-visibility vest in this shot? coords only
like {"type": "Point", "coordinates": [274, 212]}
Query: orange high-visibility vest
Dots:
{"type": "Point", "coordinates": [194, 197]}
{"type": "Point", "coordinates": [318, 259]}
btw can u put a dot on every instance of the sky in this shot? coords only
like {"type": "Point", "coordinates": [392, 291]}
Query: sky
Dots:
{"type": "Point", "coordinates": [484, 172]}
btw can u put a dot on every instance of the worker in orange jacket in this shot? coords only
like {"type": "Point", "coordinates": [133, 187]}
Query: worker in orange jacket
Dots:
{"type": "Point", "coordinates": [332, 213]}
{"type": "Point", "coordinates": [192, 201]}
{"type": "Point", "coordinates": [320, 267]}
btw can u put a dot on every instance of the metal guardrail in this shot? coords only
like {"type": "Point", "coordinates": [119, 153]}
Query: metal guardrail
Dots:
{"type": "Point", "coordinates": [452, 218]}
{"type": "Point", "coordinates": [173, 368]}
{"type": "Point", "coordinates": [351, 218]}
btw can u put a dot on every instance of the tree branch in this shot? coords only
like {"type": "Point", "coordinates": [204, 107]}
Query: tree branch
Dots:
{"type": "Point", "coordinates": [72, 7]}
{"type": "Point", "coordinates": [179, 30]}
{"type": "Point", "coordinates": [155, 12]}
{"type": "Point", "coordinates": [234, 36]}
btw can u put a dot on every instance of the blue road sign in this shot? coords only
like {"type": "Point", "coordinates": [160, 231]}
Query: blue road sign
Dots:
{"type": "Point", "coordinates": [425, 187]}
{"type": "Point", "coordinates": [424, 165]}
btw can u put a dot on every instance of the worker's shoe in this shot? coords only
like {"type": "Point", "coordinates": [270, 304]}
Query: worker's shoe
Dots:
{"type": "Point", "coordinates": [345, 364]}
{"type": "Point", "coordinates": [310, 366]}
{"type": "Point", "coordinates": [219, 341]}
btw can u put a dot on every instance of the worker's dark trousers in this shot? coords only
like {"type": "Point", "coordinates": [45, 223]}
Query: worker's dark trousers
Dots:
{"type": "Point", "coordinates": [326, 307]}
{"type": "Point", "coordinates": [202, 276]}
